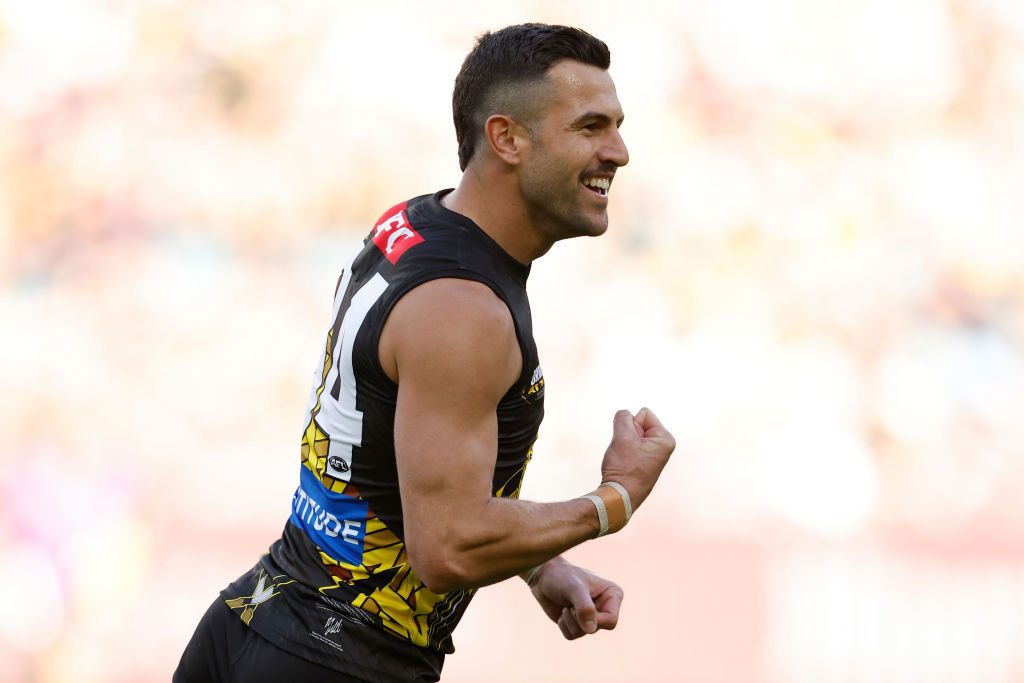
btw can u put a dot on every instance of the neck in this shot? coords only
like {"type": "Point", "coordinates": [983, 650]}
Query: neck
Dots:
{"type": "Point", "coordinates": [492, 203]}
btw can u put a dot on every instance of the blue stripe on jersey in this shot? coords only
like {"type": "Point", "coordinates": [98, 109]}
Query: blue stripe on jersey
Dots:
{"type": "Point", "coordinates": [335, 522]}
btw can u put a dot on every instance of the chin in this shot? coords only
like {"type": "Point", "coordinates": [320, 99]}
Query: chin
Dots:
{"type": "Point", "coordinates": [595, 229]}
{"type": "Point", "coordinates": [578, 224]}
{"type": "Point", "coordinates": [578, 230]}
{"type": "Point", "coordinates": [589, 224]}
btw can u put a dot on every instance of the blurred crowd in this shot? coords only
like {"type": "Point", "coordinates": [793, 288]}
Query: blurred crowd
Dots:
{"type": "Point", "coordinates": [814, 274]}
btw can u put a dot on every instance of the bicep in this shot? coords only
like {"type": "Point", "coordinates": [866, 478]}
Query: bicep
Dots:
{"type": "Point", "coordinates": [445, 452]}
{"type": "Point", "coordinates": [453, 348]}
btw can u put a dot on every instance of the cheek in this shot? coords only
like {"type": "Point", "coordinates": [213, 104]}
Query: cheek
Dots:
{"type": "Point", "coordinates": [559, 168]}
{"type": "Point", "coordinates": [584, 155]}
{"type": "Point", "coordinates": [555, 170]}
{"type": "Point", "coordinates": [573, 162]}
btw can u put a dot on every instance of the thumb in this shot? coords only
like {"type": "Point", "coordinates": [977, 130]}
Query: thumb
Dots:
{"type": "Point", "coordinates": [624, 425]}
{"type": "Point", "coordinates": [583, 606]}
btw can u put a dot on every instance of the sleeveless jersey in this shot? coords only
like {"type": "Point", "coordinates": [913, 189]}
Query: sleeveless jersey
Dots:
{"type": "Point", "coordinates": [337, 587]}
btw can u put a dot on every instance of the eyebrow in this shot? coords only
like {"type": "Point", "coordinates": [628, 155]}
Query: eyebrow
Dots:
{"type": "Point", "coordinates": [597, 116]}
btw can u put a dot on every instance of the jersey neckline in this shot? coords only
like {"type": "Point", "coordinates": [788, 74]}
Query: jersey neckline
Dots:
{"type": "Point", "coordinates": [520, 270]}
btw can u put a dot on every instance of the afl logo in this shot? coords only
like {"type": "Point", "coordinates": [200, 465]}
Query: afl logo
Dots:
{"type": "Point", "coordinates": [337, 464]}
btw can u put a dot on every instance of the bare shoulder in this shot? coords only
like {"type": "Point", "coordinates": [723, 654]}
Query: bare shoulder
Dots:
{"type": "Point", "coordinates": [453, 326]}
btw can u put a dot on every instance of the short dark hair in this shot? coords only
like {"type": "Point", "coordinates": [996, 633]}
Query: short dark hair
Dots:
{"type": "Point", "coordinates": [508, 59]}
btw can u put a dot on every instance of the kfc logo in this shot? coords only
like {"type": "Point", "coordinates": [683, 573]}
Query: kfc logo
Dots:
{"type": "Point", "coordinates": [393, 235]}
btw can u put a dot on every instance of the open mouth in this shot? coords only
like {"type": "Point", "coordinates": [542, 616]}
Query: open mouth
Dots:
{"type": "Point", "coordinates": [598, 186]}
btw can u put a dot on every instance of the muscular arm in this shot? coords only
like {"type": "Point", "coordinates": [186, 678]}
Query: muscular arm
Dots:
{"type": "Point", "coordinates": [451, 346]}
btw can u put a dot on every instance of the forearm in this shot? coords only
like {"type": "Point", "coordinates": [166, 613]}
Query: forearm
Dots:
{"type": "Point", "coordinates": [502, 538]}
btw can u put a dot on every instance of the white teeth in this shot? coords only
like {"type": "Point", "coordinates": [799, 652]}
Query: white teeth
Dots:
{"type": "Point", "coordinates": [598, 183]}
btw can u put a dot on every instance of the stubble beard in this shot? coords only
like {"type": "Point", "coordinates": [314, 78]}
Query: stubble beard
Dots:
{"type": "Point", "coordinates": [557, 211]}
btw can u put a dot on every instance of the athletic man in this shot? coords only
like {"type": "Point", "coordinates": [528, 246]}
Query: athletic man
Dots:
{"type": "Point", "coordinates": [424, 410]}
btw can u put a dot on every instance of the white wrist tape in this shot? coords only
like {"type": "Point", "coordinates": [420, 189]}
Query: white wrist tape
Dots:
{"type": "Point", "coordinates": [602, 512]}
{"type": "Point", "coordinates": [611, 516]}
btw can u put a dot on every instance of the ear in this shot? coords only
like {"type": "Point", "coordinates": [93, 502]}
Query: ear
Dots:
{"type": "Point", "coordinates": [507, 138]}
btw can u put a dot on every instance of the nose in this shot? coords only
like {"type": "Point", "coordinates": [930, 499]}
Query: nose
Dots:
{"type": "Point", "coordinates": [614, 150]}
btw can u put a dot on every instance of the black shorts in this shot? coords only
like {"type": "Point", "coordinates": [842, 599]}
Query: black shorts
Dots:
{"type": "Point", "coordinates": [224, 649]}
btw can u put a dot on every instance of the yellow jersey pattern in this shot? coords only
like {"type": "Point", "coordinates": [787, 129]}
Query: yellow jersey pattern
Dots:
{"type": "Point", "coordinates": [260, 595]}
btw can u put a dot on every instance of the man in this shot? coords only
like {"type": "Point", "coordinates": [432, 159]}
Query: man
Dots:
{"type": "Point", "coordinates": [424, 411]}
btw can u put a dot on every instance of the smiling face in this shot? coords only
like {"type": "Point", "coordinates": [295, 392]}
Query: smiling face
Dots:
{"type": "Point", "coordinates": [574, 150]}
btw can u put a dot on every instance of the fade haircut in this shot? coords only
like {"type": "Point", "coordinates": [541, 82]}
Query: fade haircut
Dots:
{"type": "Point", "coordinates": [495, 74]}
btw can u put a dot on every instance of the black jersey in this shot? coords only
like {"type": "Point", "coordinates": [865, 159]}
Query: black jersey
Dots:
{"type": "Point", "coordinates": [337, 587]}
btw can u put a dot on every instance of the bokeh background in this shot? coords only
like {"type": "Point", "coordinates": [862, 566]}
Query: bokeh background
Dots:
{"type": "Point", "coordinates": [814, 274]}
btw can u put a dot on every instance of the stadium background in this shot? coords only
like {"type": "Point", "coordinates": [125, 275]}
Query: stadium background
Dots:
{"type": "Point", "coordinates": [813, 274]}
